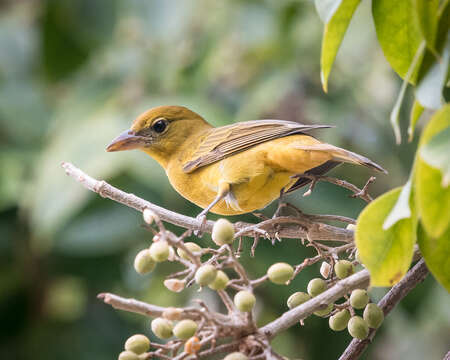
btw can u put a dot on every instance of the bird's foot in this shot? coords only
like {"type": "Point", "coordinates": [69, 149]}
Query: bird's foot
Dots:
{"type": "Point", "coordinates": [201, 218]}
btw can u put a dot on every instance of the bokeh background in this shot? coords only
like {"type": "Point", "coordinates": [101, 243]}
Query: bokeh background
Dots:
{"type": "Point", "coordinates": [74, 73]}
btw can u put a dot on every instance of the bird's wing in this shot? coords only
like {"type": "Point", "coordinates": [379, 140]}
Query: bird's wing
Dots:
{"type": "Point", "coordinates": [231, 139]}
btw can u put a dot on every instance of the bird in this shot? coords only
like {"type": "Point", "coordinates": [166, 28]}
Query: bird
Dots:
{"type": "Point", "coordinates": [232, 169]}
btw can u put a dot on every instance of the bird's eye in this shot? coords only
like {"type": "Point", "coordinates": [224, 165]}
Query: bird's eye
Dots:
{"type": "Point", "coordinates": [159, 126]}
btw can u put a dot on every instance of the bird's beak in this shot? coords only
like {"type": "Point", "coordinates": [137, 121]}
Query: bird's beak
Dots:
{"type": "Point", "coordinates": [128, 140]}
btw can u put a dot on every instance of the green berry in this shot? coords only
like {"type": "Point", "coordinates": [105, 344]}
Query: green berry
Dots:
{"type": "Point", "coordinates": [297, 299]}
{"type": "Point", "coordinates": [162, 328]}
{"type": "Point", "coordinates": [205, 275]}
{"type": "Point", "coordinates": [324, 312]}
{"type": "Point", "coordinates": [244, 301]}
{"type": "Point", "coordinates": [220, 282]}
{"type": "Point", "coordinates": [373, 315]}
{"type": "Point", "coordinates": [358, 328]}
{"type": "Point", "coordinates": [236, 356]}
{"type": "Point", "coordinates": [316, 286]}
{"type": "Point", "coordinates": [185, 329]}
{"type": "Point", "coordinates": [143, 262]}
{"type": "Point", "coordinates": [359, 298]}
{"type": "Point", "coordinates": [280, 273]}
{"type": "Point", "coordinates": [192, 247]}
{"type": "Point", "coordinates": [138, 344]}
{"type": "Point", "coordinates": [343, 268]}
{"type": "Point", "coordinates": [160, 251]}
{"type": "Point", "coordinates": [339, 320]}
{"type": "Point", "coordinates": [128, 355]}
{"type": "Point", "coordinates": [223, 232]}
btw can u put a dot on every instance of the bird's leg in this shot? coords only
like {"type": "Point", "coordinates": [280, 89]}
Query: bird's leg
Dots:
{"type": "Point", "coordinates": [224, 189]}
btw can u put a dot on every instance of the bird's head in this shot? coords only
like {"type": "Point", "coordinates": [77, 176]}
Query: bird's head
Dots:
{"type": "Point", "coordinates": [160, 131]}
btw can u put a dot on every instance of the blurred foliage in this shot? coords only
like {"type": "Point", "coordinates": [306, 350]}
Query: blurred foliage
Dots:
{"type": "Point", "coordinates": [73, 73]}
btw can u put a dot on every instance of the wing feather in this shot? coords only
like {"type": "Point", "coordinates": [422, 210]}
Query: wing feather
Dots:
{"type": "Point", "coordinates": [231, 139]}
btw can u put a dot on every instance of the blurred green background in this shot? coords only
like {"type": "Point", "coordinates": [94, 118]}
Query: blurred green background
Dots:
{"type": "Point", "coordinates": [73, 74]}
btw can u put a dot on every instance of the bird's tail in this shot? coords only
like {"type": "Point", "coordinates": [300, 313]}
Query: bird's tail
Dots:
{"type": "Point", "coordinates": [343, 155]}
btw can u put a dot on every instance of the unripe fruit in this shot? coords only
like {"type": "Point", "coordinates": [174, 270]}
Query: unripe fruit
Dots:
{"type": "Point", "coordinates": [160, 251]}
{"type": "Point", "coordinates": [280, 273]}
{"type": "Point", "coordinates": [358, 328]}
{"type": "Point", "coordinates": [359, 298]}
{"type": "Point", "coordinates": [339, 320]}
{"type": "Point", "coordinates": [316, 286]}
{"type": "Point", "coordinates": [223, 232]}
{"type": "Point", "coordinates": [343, 268]}
{"type": "Point", "coordinates": [220, 282]}
{"type": "Point", "coordinates": [174, 285]}
{"type": "Point", "coordinates": [324, 312]}
{"type": "Point", "coordinates": [236, 356]}
{"type": "Point", "coordinates": [128, 355]}
{"type": "Point", "coordinates": [192, 346]}
{"type": "Point", "coordinates": [138, 344]}
{"type": "Point", "coordinates": [149, 216]}
{"type": "Point", "coordinates": [325, 270]}
{"type": "Point", "coordinates": [143, 262]}
{"type": "Point", "coordinates": [162, 328]}
{"type": "Point", "coordinates": [297, 299]}
{"type": "Point", "coordinates": [205, 275]}
{"type": "Point", "coordinates": [244, 301]}
{"type": "Point", "coordinates": [373, 315]}
{"type": "Point", "coordinates": [185, 329]}
{"type": "Point", "coordinates": [192, 247]}
{"type": "Point", "coordinates": [172, 313]}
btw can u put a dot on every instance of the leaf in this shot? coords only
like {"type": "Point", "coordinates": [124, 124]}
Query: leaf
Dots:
{"type": "Point", "coordinates": [327, 8]}
{"type": "Point", "coordinates": [436, 252]}
{"type": "Point", "coordinates": [401, 209]}
{"type": "Point", "coordinates": [387, 254]}
{"type": "Point", "coordinates": [437, 154]}
{"type": "Point", "coordinates": [432, 200]}
{"type": "Point", "coordinates": [333, 35]}
{"type": "Point", "coordinates": [426, 13]}
{"type": "Point", "coordinates": [416, 112]}
{"type": "Point", "coordinates": [398, 33]}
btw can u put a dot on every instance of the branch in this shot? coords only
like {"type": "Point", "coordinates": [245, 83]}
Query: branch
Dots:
{"type": "Point", "coordinates": [292, 227]}
{"type": "Point", "coordinates": [414, 276]}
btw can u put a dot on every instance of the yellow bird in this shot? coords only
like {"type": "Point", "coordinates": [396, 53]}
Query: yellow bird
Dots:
{"type": "Point", "coordinates": [233, 169]}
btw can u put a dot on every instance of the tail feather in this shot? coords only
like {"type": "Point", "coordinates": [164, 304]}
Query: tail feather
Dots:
{"type": "Point", "coordinates": [343, 155]}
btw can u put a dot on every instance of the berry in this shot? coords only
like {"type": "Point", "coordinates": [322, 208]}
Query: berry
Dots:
{"type": "Point", "coordinates": [172, 313]}
{"type": "Point", "coordinates": [373, 315]}
{"type": "Point", "coordinates": [316, 286]}
{"type": "Point", "coordinates": [343, 268]}
{"type": "Point", "coordinates": [325, 270]}
{"type": "Point", "coordinates": [359, 298]}
{"type": "Point", "coordinates": [297, 299]}
{"type": "Point", "coordinates": [358, 328]}
{"type": "Point", "coordinates": [128, 355]}
{"type": "Point", "coordinates": [138, 344]}
{"type": "Point", "coordinates": [324, 312]}
{"type": "Point", "coordinates": [192, 247]}
{"type": "Point", "coordinates": [185, 329]}
{"type": "Point", "coordinates": [220, 282]}
{"type": "Point", "coordinates": [174, 285]}
{"type": "Point", "coordinates": [143, 262]}
{"type": "Point", "coordinates": [244, 301]}
{"type": "Point", "coordinates": [339, 320]}
{"type": "Point", "coordinates": [236, 356]}
{"type": "Point", "coordinates": [205, 275]}
{"type": "Point", "coordinates": [223, 232]}
{"type": "Point", "coordinates": [280, 273]}
{"type": "Point", "coordinates": [162, 328]}
{"type": "Point", "coordinates": [192, 346]}
{"type": "Point", "coordinates": [160, 251]}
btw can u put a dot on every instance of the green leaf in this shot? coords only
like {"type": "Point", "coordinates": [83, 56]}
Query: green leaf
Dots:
{"type": "Point", "coordinates": [398, 33]}
{"type": "Point", "coordinates": [416, 112]}
{"type": "Point", "coordinates": [436, 252]}
{"type": "Point", "coordinates": [432, 200]}
{"type": "Point", "coordinates": [427, 13]}
{"type": "Point", "coordinates": [401, 209]}
{"type": "Point", "coordinates": [333, 35]}
{"type": "Point", "coordinates": [387, 254]}
{"type": "Point", "coordinates": [437, 154]}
